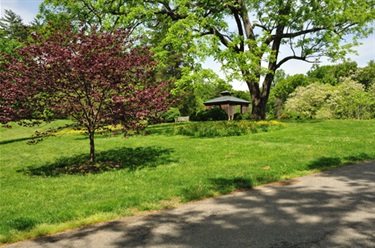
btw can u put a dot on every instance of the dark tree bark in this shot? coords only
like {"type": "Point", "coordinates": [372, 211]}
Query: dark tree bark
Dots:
{"type": "Point", "coordinates": [92, 147]}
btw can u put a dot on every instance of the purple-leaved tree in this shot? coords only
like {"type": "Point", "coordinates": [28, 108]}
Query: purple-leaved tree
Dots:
{"type": "Point", "coordinates": [95, 77]}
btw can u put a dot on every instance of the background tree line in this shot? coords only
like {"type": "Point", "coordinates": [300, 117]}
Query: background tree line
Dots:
{"type": "Point", "coordinates": [326, 92]}
{"type": "Point", "coordinates": [246, 37]}
{"type": "Point", "coordinates": [180, 48]}
{"type": "Point", "coordinates": [46, 75]}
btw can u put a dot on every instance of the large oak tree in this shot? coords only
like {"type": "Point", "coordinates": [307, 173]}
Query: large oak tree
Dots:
{"type": "Point", "coordinates": [95, 77]}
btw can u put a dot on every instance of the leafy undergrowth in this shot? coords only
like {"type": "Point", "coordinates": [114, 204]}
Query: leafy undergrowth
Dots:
{"type": "Point", "coordinates": [49, 187]}
{"type": "Point", "coordinates": [213, 129]}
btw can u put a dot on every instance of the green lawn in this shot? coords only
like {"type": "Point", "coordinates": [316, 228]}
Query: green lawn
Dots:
{"type": "Point", "coordinates": [160, 170]}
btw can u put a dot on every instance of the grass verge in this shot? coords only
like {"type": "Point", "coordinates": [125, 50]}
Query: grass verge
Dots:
{"type": "Point", "coordinates": [158, 170]}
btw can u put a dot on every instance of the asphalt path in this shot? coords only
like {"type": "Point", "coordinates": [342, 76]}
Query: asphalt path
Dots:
{"type": "Point", "coordinates": [335, 208]}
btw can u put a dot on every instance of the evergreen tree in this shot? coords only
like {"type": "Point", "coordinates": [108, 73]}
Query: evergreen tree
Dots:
{"type": "Point", "coordinates": [12, 32]}
{"type": "Point", "coordinates": [12, 27]}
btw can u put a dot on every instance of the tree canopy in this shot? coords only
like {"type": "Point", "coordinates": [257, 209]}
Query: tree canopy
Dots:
{"type": "Point", "coordinates": [283, 88]}
{"type": "Point", "coordinates": [252, 39]}
{"type": "Point", "coordinates": [332, 74]}
{"type": "Point", "coordinates": [366, 75]}
{"type": "Point", "coordinates": [96, 77]}
{"type": "Point", "coordinates": [345, 76]}
{"type": "Point", "coordinates": [12, 31]}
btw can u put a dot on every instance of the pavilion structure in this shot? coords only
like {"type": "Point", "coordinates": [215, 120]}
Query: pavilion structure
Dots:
{"type": "Point", "coordinates": [228, 103]}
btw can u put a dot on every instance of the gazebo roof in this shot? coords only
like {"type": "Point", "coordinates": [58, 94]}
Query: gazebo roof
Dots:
{"type": "Point", "coordinates": [226, 98]}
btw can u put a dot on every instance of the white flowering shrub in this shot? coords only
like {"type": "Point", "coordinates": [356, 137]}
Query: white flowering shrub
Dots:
{"type": "Point", "coordinates": [347, 100]}
{"type": "Point", "coordinates": [307, 101]}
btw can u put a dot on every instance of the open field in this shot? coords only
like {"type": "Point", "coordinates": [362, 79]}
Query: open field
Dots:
{"type": "Point", "coordinates": [160, 170]}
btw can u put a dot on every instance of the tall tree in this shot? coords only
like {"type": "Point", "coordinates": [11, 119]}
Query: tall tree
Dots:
{"type": "Point", "coordinates": [92, 12]}
{"type": "Point", "coordinates": [252, 39]}
{"type": "Point", "coordinates": [249, 36]}
{"type": "Point", "coordinates": [12, 31]}
{"type": "Point", "coordinates": [332, 74]}
{"type": "Point", "coordinates": [97, 78]}
{"type": "Point", "coordinates": [366, 75]}
{"type": "Point", "coordinates": [12, 26]}
{"type": "Point", "coordinates": [284, 88]}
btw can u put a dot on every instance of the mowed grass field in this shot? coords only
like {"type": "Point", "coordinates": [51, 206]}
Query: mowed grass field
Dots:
{"type": "Point", "coordinates": [159, 170]}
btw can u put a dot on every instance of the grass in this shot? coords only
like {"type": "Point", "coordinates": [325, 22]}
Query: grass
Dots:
{"type": "Point", "coordinates": [158, 170]}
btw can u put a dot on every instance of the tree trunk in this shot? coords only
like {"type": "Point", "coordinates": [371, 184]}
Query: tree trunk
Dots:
{"type": "Point", "coordinates": [258, 101]}
{"type": "Point", "coordinates": [279, 106]}
{"type": "Point", "coordinates": [92, 147]}
{"type": "Point", "coordinates": [258, 111]}
{"type": "Point", "coordinates": [260, 97]}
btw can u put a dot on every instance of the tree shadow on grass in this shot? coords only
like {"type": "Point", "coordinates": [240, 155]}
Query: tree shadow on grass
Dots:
{"type": "Point", "coordinates": [225, 185]}
{"type": "Point", "coordinates": [116, 159]}
{"type": "Point", "coordinates": [220, 185]}
{"type": "Point", "coordinates": [325, 163]}
{"type": "Point", "coordinates": [5, 142]}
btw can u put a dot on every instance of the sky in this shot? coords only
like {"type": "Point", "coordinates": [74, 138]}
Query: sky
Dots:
{"type": "Point", "coordinates": [28, 9]}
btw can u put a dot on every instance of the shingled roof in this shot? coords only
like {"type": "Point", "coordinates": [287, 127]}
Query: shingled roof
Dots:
{"type": "Point", "coordinates": [226, 98]}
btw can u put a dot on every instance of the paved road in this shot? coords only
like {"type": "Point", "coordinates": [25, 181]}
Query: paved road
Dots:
{"type": "Point", "coordinates": [330, 209]}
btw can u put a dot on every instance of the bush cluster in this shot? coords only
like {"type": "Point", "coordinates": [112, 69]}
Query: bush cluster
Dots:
{"type": "Point", "coordinates": [225, 128]}
{"type": "Point", "coordinates": [347, 100]}
{"type": "Point", "coordinates": [214, 114]}
{"type": "Point", "coordinates": [171, 115]}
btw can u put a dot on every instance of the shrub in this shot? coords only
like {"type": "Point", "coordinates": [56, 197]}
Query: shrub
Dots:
{"type": "Point", "coordinates": [347, 100]}
{"type": "Point", "coordinates": [214, 114]}
{"type": "Point", "coordinates": [171, 115]}
{"type": "Point", "coordinates": [224, 128]}
{"type": "Point", "coordinates": [238, 116]}
{"type": "Point", "coordinates": [306, 101]}
{"type": "Point", "coordinates": [350, 101]}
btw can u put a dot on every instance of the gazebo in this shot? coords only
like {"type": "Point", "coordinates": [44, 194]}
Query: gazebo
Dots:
{"type": "Point", "coordinates": [228, 103]}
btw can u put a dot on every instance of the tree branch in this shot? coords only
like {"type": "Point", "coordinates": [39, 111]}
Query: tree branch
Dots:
{"type": "Point", "coordinates": [92, 11]}
{"type": "Point", "coordinates": [247, 24]}
{"type": "Point", "coordinates": [223, 39]}
{"type": "Point", "coordinates": [239, 27]}
{"type": "Point", "coordinates": [342, 27]}
{"type": "Point", "coordinates": [169, 11]}
{"type": "Point", "coordinates": [284, 60]}
{"type": "Point", "coordinates": [262, 27]}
